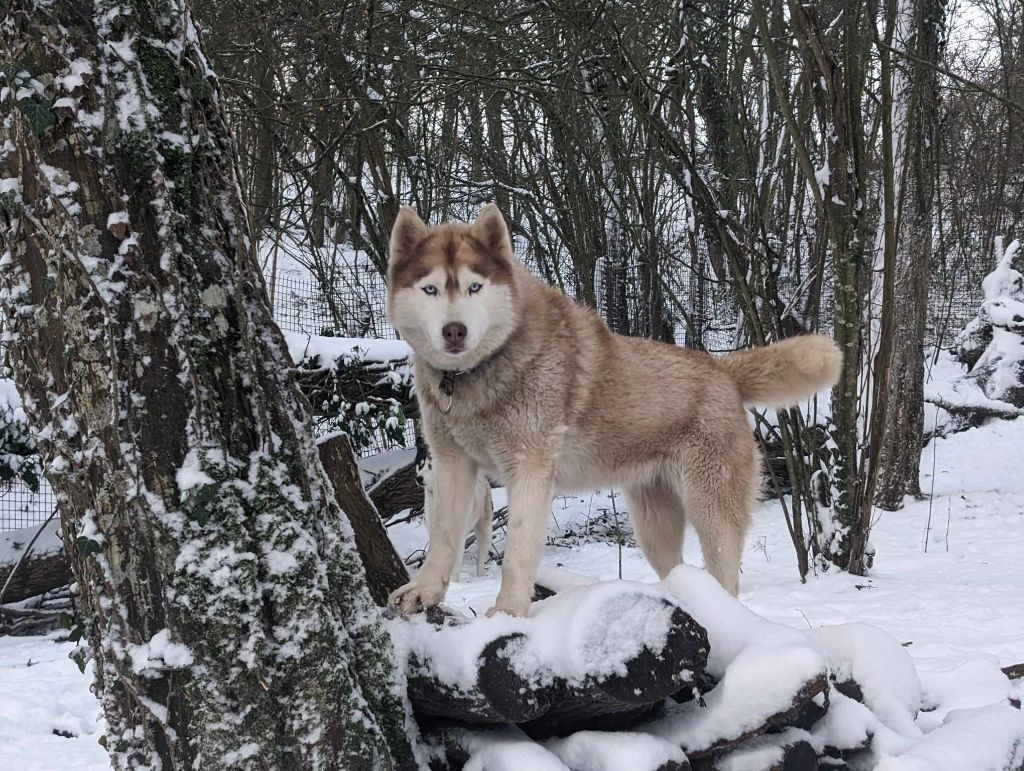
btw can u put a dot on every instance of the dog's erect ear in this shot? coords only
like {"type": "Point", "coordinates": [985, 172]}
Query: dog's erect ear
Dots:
{"type": "Point", "coordinates": [490, 230]}
{"type": "Point", "coordinates": [408, 231]}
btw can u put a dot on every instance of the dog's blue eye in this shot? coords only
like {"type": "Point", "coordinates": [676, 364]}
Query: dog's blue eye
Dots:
{"type": "Point", "coordinates": [430, 289]}
{"type": "Point", "coordinates": [475, 287]}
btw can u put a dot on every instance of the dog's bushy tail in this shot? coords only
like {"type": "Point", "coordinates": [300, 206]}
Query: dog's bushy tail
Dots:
{"type": "Point", "coordinates": [781, 374]}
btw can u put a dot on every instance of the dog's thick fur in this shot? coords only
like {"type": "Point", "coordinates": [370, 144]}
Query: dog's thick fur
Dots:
{"type": "Point", "coordinates": [548, 399]}
{"type": "Point", "coordinates": [479, 516]}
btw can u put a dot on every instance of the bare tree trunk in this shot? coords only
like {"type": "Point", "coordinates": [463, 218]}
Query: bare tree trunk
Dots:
{"type": "Point", "coordinates": [323, 192]}
{"type": "Point", "coordinates": [496, 148]}
{"type": "Point", "coordinates": [843, 201]}
{"type": "Point", "coordinates": [264, 167]}
{"type": "Point", "coordinates": [227, 611]}
{"type": "Point", "coordinates": [899, 474]}
{"type": "Point", "coordinates": [385, 570]}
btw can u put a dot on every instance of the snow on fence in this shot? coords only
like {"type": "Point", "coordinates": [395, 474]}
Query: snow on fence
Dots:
{"type": "Point", "coordinates": [20, 470]}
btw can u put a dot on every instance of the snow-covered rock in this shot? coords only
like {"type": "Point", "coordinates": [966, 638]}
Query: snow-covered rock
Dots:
{"type": "Point", "coordinates": [982, 739]}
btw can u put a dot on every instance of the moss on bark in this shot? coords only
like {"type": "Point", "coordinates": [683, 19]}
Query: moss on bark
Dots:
{"type": "Point", "coordinates": [228, 612]}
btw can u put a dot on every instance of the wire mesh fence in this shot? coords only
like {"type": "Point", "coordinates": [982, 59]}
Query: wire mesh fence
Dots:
{"type": "Point", "coordinates": [354, 305]}
{"type": "Point", "coordinates": [955, 296]}
{"type": "Point", "coordinates": [21, 507]}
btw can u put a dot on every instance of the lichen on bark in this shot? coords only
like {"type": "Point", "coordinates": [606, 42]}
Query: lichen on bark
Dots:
{"type": "Point", "coordinates": [228, 613]}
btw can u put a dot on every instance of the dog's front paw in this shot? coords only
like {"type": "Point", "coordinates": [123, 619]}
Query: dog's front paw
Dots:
{"type": "Point", "coordinates": [419, 594]}
{"type": "Point", "coordinates": [512, 608]}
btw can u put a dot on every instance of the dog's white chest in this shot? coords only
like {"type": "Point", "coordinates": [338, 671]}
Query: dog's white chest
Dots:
{"type": "Point", "coordinates": [479, 443]}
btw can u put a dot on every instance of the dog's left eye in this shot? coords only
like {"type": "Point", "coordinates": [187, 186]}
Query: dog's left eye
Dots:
{"type": "Point", "coordinates": [475, 287]}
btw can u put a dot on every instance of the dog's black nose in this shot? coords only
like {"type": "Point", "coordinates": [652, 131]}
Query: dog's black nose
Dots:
{"type": "Point", "coordinates": [454, 334]}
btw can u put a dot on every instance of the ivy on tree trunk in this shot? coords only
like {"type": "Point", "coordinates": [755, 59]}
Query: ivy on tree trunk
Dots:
{"type": "Point", "coordinates": [227, 611]}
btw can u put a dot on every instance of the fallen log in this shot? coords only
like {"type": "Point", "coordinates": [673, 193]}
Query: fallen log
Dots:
{"type": "Point", "coordinates": [385, 570]}
{"type": "Point", "coordinates": [782, 752]}
{"type": "Point", "coordinates": [28, 572]}
{"type": "Point", "coordinates": [396, 492]}
{"type": "Point", "coordinates": [651, 675]}
{"type": "Point", "coordinates": [599, 659]}
{"type": "Point", "coordinates": [1014, 671]}
{"type": "Point", "coordinates": [501, 695]}
{"type": "Point", "coordinates": [975, 412]}
{"type": "Point", "coordinates": [456, 746]}
{"type": "Point", "coordinates": [701, 738]}
{"type": "Point", "coordinates": [741, 695]}
{"type": "Point", "coordinates": [41, 613]}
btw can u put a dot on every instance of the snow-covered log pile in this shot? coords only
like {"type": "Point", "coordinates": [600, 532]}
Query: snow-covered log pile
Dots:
{"type": "Point", "coordinates": [42, 613]}
{"type": "Point", "coordinates": [992, 349]}
{"type": "Point", "coordinates": [679, 675]}
{"type": "Point", "coordinates": [355, 385]}
{"type": "Point", "coordinates": [363, 387]}
{"type": "Point", "coordinates": [38, 554]}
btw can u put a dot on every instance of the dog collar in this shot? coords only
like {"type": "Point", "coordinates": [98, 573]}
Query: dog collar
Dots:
{"type": "Point", "coordinates": [447, 384]}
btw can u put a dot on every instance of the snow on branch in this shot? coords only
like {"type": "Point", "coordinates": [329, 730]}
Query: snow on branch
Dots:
{"type": "Point", "coordinates": [358, 386]}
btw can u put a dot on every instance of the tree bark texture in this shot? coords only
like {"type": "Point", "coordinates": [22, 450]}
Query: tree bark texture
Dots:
{"type": "Point", "coordinates": [899, 473]}
{"type": "Point", "coordinates": [841, 82]}
{"type": "Point", "coordinates": [228, 614]}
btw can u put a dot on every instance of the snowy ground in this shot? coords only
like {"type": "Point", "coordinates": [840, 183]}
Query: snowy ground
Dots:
{"type": "Point", "coordinates": [961, 601]}
{"type": "Point", "coordinates": [42, 696]}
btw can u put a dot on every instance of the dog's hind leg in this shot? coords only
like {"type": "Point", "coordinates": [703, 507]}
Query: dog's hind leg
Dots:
{"type": "Point", "coordinates": [722, 532]}
{"type": "Point", "coordinates": [457, 567]}
{"type": "Point", "coordinates": [659, 523]}
{"type": "Point", "coordinates": [719, 499]}
{"type": "Point", "coordinates": [484, 524]}
{"type": "Point", "coordinates": [426, 477]}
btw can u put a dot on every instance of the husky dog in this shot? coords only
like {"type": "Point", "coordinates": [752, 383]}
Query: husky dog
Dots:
{"type": "Point", "coordinates": [518, 382]}
{"type": "Point", "coordinates": [480, 515]}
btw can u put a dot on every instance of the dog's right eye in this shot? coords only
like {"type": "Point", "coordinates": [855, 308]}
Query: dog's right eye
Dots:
{"type": "Point", "coordinates": [430, 289]}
